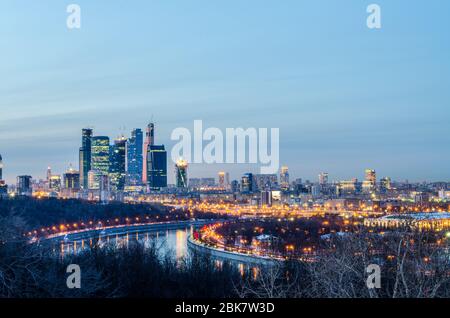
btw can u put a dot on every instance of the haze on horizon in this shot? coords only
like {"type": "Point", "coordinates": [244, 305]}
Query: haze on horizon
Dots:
{"type": "Point", "coordinates": [345, 98]}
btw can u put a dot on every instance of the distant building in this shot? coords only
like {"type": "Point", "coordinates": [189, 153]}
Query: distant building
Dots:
{"type": "Point", "coordinates": [284, 178]}
{"type": "Point", "coordinates": [224, 180]}
{"type": "Point", "coordinates": [181, 173]}
{"type": "Point", "coordinates": [135, 158]}
{"type": "Point", "coordinates": [247, 183]}
{"type": "Point", "coordinates": [1, 167]}
{"type": "Point", "coordinates": [323, 178]}
{"type": "Point", "coordinates": [94, 177]}
{"type": "Point", "coordinates": [266, 198]}
{"type": "Point", "coordinates": [422, 221]}
{"type": "Point", "coordinates": [347, 187]}
{"type": "Point", "coordinates": [265, 181]}
{"type": "Point", "coordinates": [201, 182]}
{"type": "Point", "coordinates": [315, 191]}
{"type": "Point", "coordinates": [370, 182]}
{"type": "Point", "coordinates": [117, 166]}
{"type": "Point", "coordinates": [149, 141]}
{"type": "Point", "coordinates": [71, 180]}
{"type": "Point", "coordinates": [24, 186]}
{"type": "Point", "coordinates": [100, 154]}
{"type": "Point", "coordinates": [85, 157]}
{"type": "Point", "coordinates": [54, 183]}
{"type": "Point", "coordinates": [385, 184]}
{"type": "Point", "coordinates": [3, 189]}
{"type": "Point", "coordinates": [235, 186]}
{"type": "Point", "coordinates": [157, 167]}
{"type": "Point", "coordinates": [3, 185]}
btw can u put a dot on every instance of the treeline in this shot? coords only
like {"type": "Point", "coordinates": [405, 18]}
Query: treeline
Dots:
{"type": "Point", "coordinates": [37, 213]}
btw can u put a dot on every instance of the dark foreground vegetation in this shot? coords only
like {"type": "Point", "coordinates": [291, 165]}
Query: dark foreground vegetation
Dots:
{"type": "Point", "coordinates": [411, 266]}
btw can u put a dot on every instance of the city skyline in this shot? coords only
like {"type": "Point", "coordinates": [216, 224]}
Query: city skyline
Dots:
{"type": "Point", "coordinates": [379, 101]}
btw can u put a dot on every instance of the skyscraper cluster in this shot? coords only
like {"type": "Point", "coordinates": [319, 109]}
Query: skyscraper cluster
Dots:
{"type": "Point", "coordinates": [132, 162]}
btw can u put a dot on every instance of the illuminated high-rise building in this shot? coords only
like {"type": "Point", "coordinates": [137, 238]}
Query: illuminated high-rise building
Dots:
{"type": "Point", "coordinates": [149, 141]}
{"type": "Point", "coordinates": [85, 156]}
{"type": "Point", "coordinates": [385, 184]}
{"type": "Point", "coordinates": [247, 183]}
{"type": "Point", "coordinates": [224, 180]}
{"type": "Point", "coordinates": [71, 179]}
{"type": "Point", "coordinates": [264, 181]}
{"type": "Point", "coordinates": [135, 158]}
{"type": "Point", "coordinates": [54, 183]}
{"type": "Point", "coordinates": [1, 167]}
{"type": "Point", "coordinates": [266, 198]}
{"type": "Point", "coordinates": [157, 167]}
{"type": "Point", "coordinates": [24, 186]}
{"type": "Point", "coordinates": [3, 186]}
{"type": "Point", "coordinates": [323, 178]}
{"type": "Point", "coordinates": [370, 182]}
{"type": "Point", "coordinates": [181, 173]}
{"type": "Point", "coordinates": [118, 164]}
{"type": "Point", "coordinates": [284, 178]}
{"type": "Point", "coordinates": [100, 154]}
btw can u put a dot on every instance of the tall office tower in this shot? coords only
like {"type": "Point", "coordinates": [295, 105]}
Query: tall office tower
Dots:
{"type": "Point", "coordinates": [149, 141]}
{"type": "Point", "coordinates": [370, 181]}
{"type": "Point", "coordinates": [224, 180]}
{"type": "Point", "coordinates": [118, 164]}
{"type": "Point", "coordinates": [284, 178]}
{"type": "Point", "coordinates": [323, 178]}
{"type": "Point", "coordinates": [181, 173]}
{"type": "Point", "coordinates": [234, 186]}
{"type": "Point", "coordinates": [49, 174]}
{"type": "Point", "coordinates": [157, 167]}
{"type": "Point", "coordinates": [266, 198]}
{"type": "Point", "coordinates": [1, 167]}
{"type": "Point", "coordinates": [85, 156]}
{"type": "Point", "coordinates": [3, 186]}
{"type": "Point", "coordinates": [54, 183]}
{"type": "Point", "coordinates": [94, 177]}
{"type": "Point", "coordinates": [385, 184]}
{"type": "Point", "coordinates": [100, 154]}
{"type": "Point", "coordinates": [24, 186]}
{"type": "Point", "coordinates": [71, 179]}
{"type": "Point", "coordinates": [135, 157]}
{"type": "Point", "coordinates": [247, 183]}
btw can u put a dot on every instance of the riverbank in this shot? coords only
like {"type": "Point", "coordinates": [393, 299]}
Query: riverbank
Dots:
{"type": "Point", "coordinates": [200, 247]}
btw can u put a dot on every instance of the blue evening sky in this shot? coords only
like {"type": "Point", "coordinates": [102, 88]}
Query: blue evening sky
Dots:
{"type": "Point", "coordinates": [345, 97]}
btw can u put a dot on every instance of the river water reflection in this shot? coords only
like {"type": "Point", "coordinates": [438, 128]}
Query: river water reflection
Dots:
{"type": "Point", "coordinates": [172, 242]}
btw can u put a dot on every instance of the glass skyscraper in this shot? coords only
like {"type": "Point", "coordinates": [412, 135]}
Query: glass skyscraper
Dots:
{"type": "Point", "coordinates": [85, 157]}
{"type": "Point", "coordinates": [100, 154]}
{"type": "Point", "coordinates": [149, 141]}
{"type": "Point", "coordinates": [135, 158]}
{"type": "Point", "coordinates": [181, 173]}
{"type": "Point", "coordinates": [157, 167]}
{"type": "Point", "coordinates": [117, 164]}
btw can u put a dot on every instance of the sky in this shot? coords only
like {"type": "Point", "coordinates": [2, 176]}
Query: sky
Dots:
{"type": "Point", "coordinates": [345, 97]}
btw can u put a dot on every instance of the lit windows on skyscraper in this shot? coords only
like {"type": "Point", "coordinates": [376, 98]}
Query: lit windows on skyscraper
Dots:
{"type": "Point", "coordinates": [157, 167]}
{"type": "Point", "coordinates": [117, 164]}
{"type": "Point", "coordinates": [24, 186]}
{"type": "Point", "coordinates": [181, 173]}
{"type": "Point", "coordinates": [135, 158]}
{"type": "Point", "coordinates": [85, 156]}
{"type": "Point", "coordinates": [247, 183]}
{"type": "Point", "coordinates": [100, 154]}
{"type": "Point", "coordinates": [284, 178]}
